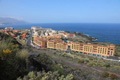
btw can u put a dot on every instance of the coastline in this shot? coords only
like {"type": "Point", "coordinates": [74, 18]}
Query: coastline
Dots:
{"type": "Point", "coordinates": [91, 39]}
{"type": "Point", "coordinates": [86, 28]}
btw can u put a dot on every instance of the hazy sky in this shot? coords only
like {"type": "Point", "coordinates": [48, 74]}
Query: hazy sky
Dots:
{"type": "Point", "coordinates": [62, 11]}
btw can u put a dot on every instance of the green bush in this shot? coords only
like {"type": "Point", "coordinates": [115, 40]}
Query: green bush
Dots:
{"type": "Point", "coordinates": [105, 74]}
{"type": "Point", "coordinates": [12, 67]}
{"type": "Point", "coordinates": [91, 64]}
{"type": "Point", "coordinates": [14, 47]}
{"type": "Point", "coordinates": [117, 67]}
{"type": "Point", "coordinates": [107, 65]}
{"type": "Point", "coordinates": [81, 61]}
{"type": "Point", "coordinates": [59, 68]}
{"type": "Point", "coordinates": [46, 76]}
{"type": "Point", "coordinates": [87, 60]}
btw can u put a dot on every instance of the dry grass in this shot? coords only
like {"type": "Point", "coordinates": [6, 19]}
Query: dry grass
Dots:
{"type": "Point", "coordinates": [23, 54]}
{"type": "Point", "coordinates": [3, 45]}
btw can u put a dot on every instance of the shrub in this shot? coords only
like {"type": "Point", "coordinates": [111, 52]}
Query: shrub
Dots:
{"type": "Point", "coordinates": [107, 65]}
{"type": "Point", "coordinates": [14, 47]}
{"type": "Point", "coordinates": [81, 61]}
{"type": "Point", "coordinates": [6, 51]}
{"type": "Point", "coordinates": [46, 76]}
{"type": "Point", "coordinates": [86, 60]}
{"type": "Point", "coordinates": [91, 64]}
{"type": "Point", "coordinates": [91, 58]}
{"type": "Point", "coordinates": [12, 67]}
{"type": "Point", "coordinates": [85, 75]}
{"type": "Point", "coordinates": [1, 53]}
{"type": "Point", "coordinates": [114, 77]}
{"type": "Point", "coordinates": [59, 68]}
{"type": "Point", "coordinates": [117, 67]}
{"type": "Point", "coordinates": [3, 45]}
{"type": "Point", "coordinates": [23, 54]}
{"type": "Point", "coordinates": [105, 74]}
{"type": "Point", "coordinates": [54, 53]}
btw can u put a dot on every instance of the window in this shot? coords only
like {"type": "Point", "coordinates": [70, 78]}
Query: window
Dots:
{"type": "Point", "coordinates": [72, 46]}
{"type": "Point", "coordinates": [111, 53]}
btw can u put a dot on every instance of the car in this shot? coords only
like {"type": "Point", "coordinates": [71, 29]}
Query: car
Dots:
{"type": "Point", "coordinates": [118, 60]}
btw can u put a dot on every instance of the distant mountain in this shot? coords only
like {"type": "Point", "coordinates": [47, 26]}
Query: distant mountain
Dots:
{"type": "Point", "coordinates": [4, 21]}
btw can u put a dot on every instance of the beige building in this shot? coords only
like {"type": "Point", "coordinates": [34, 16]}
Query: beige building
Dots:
{"type": "Point", "coordinates": [61, 46]}
{"type": "Point", "coordinates": [90, 49]}
{"type": "Point", "coordinates": [51, 36]}
{"type": "Point", "coordinates": [51, 43]}
{"type": "Point", "coordinates": [40, 41]}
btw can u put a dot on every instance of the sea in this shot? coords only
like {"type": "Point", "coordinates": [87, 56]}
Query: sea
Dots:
{"type": "Point", "coordinates": [105, 32]}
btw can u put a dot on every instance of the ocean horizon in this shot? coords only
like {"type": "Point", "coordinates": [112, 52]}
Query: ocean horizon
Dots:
{"type": "Point", "coordinates": [105, 32]}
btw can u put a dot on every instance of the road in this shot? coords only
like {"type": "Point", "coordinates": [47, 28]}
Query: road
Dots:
{"type": "Point", "coordinates": [28, 42]}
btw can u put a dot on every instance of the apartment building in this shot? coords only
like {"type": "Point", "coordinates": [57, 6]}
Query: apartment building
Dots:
{"type": "Point", "coordinates": [89, 49]}
{"type": "Point", "coordinates": [40, 42]}
{"type": "Point", "coordinates": [84, 48]}
{"type": "Point", "coordinates": [92, 49]}
{"type": "Point", "coordinates": [51, 43]}
{"type": "Point", "coordinates": [57, 44]}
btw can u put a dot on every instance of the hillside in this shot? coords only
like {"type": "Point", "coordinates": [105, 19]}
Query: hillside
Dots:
{"type": "Point", "coordinates": [6, 20]}
{"type": "Point", "coordinates": [27, 63]}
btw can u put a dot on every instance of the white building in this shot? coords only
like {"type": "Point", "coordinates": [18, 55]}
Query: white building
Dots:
{"type": "Point", "coordinates": [46, 34]}
{"type": "Point", "coordinates": [35, 34]}
{"type": "Point", "coordinates": [35, 28]}
{"type": "Point", "coordinates": [9, 28]}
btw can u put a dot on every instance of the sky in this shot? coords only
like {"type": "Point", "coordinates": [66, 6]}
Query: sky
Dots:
{"type": "Point", "coordinates": [62, 11]}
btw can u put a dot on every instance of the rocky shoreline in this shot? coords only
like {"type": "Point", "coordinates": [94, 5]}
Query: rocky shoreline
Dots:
{"type": "Point", "coordinates": [92, 39]}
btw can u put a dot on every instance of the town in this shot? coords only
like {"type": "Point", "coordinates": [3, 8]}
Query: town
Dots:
{"type": "Point", "coordinates": [52, 39]}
